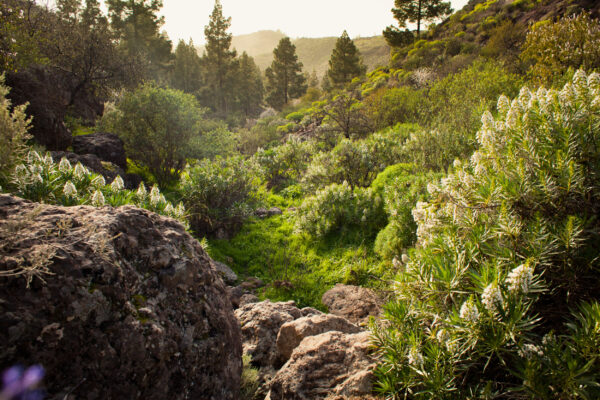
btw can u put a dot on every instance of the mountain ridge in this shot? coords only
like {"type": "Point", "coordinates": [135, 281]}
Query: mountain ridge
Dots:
{"type": "Point", "coordinates": [314, 53]}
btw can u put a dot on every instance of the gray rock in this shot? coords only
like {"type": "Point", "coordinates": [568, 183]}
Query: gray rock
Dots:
{"type": "Point", "coordinates": [107, 146]}
{"type": "Point", "coordinates": [129, 305]}
{"type": "Point", "coordinates": [330, 365]}
{"type": "Point", "coordinates": [291, 333]}
{"type": "Point", "coordinates": [260, 325]}
{"type": "Point", "coordinates": [354, 303]}
{"type": "Point", "coordinates": [226, 273]}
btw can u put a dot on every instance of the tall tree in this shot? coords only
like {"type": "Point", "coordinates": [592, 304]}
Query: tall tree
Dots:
{"type": "Point", "coordinates": [138, 26]}
{"type": "Point", "coordinates": [187, 68]}
{"type": "Point", "coordinates": [249, 86]}
{"type": "Point", "coordinates": [285, 80]}
{"type": "Point", "coordinates": [219, 60]}
{"type": "Point", "coordinates": [84, 49]}
{"type": "Point", "coordinates": [345, 63]}
{"type": "Point", "coordinates": [415, 11]}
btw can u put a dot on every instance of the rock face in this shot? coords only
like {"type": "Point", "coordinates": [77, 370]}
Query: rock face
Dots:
{"type": "Point", "coordinates": [291, 333]}
{"type": "Point", "coordinates": [327, 365]}
{"type": "Point", "coordinates": [44, 91]}
{"type": "Point", "coordinates": [354, 303]}
{"type": "Point", "coordinates": [226, 273]}
{"type": "Point", "coordinates": [129, 306]}
{"type": "Point", "coordinates": [107, 146]}
{"type": "Point", "coordinates": [260, 325]}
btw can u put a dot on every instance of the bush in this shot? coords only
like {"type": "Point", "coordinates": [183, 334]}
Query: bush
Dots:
{"type": "Point", "coordinates": [158, 127]}
{"type": "Point", "coordinates": [13, 134]}
{"type": "Point", "coordinates": [435, 150]}
{"type": "Point", "coordinates": [284, 165]}
{"type": "Point", "coordinates": [506, 253]}
{"type": "Point", "coordinates": [339, 208]}
{"type": "Point", "coordinates": [39, 179]}
{"type": "Point", "coordinates": [219, 194]}
{"type": "Point", "coordinates": [387, 107]}
{"type": "Point", "coordinates": [571, 42]}
{"type": "Point", "coordinates": [457, 101]}
{"type": "Point", "coordinates": [357, 162]}
{"type": "Point", "coordinates": [261, 135]}
{"type": "Point", "coordinates": [402, 188]}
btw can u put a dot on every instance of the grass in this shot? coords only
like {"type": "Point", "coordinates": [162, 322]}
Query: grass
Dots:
{"type": "Point", "coordinates": [295, 266]}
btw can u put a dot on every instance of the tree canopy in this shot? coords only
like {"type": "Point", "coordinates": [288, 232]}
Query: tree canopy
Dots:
{"type": "Point", "coordinates": [414, 11]}
{"type": "Point", "coordinates": [345, 62]}
{"type": "Point", "coordinates": [285, 80]}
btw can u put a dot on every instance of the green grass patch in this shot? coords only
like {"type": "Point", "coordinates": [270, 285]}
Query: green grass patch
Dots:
{"type": "Point", "coordinates": [295, 266]}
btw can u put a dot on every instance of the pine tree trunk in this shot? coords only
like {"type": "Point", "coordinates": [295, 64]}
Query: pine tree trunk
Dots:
{"type": "Point", "coordinates": [419, 21]}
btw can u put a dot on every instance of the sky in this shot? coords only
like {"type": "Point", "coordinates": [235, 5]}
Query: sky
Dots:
{"type": "Point", "coordinates": [185, 19]}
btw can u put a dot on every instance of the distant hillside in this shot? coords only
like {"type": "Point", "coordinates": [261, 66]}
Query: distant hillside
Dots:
{"type": "Point", "coordinates": [314, 53]}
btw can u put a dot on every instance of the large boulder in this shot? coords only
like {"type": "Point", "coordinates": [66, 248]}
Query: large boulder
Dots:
{"type": "Point", "coordinates": [45, 92]}
{"type": "Point", "coordinates": [226, 272]}
{"type": "Point", "coordinates": [332, 364]}
{"type": "Point", "coordinates": [114, 303]}
{"type": "Point", "coordinates": [291, 333]}
{"type": "Point", "coordinates": [107, 146]}
{"type": "Point", "coordinates": [354, 303]}
{"type": "Point", "coordinates": [260, 325]}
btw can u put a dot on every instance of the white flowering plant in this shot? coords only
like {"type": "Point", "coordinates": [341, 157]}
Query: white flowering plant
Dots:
{"type": "Point", "coordinates": [40, 179]}
{"type": "Point", "coordinates": [506, 253]}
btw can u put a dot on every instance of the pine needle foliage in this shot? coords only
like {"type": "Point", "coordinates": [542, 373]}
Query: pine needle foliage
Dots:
{"type": "Point", "coordinates": [506, 253]}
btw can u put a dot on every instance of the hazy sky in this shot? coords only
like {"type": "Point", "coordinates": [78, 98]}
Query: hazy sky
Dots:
{"type": "Point", "coordinates": [296, 18]}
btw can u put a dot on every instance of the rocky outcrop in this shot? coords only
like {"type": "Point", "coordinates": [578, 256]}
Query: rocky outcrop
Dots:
{"type": "Point", "coordinates": [45, 92]}
{"type": "Point", "coordinates": [264, 213]}
{"type": "Point", "coordinates": [122, 304]}
{"type": "Point", "coordinates": [226, 273]}
{"type": "Point", "coordinates": [354, 303]}
{"type": "Point", "coordinates": [107, 146]}
{"type": "Point", "coordinates": [292, 333]}
{"type": "Point", "coordinates": [332, 364]}
{"type": "Point", "coordinates": [260, 325]}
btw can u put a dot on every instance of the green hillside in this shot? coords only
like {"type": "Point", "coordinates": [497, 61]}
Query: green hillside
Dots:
{"type": "Point", "coordinates": [314, 53]}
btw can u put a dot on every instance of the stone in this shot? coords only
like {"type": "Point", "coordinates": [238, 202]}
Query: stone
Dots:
{"type": "Point", "coordinates": [107, 146]}
{"type": "Point", "coordinates": [274, 211]}
{"type": "Point", "coordinates": [260, 325]}
{"type": "Point", "coordinates": [226, 273]}
{"type": "Point", "coordinates": [122, 303]}
{"type": "Point", "coordinates": [354, 303]}
{"type": "Point", "coordinates": [291, 333]}
{"type": "Point", "coordinates": [330, 365]}
{"type": "Point", "coordinates": [252, 283]}
{"type": "Point", "coordinates": [46, 93]}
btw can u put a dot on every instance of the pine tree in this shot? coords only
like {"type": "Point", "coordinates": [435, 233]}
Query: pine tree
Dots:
{"type": "Point", "coordinates": [138, 26]}
{"type": "Point", "coordinates": [249, 86]}
{"type": "Point", "coordinates": [345, 63]}
{"type": "Point", "coordinates": [187, 72]}
{"type": "Point", "coordinates": [285, 80]}
{"type": "Point", "coordinates": [219, 60]}
{"type": "Point", "coordinates": [414, 11]}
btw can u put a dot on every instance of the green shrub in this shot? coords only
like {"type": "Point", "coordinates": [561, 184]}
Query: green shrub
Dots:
{"type": "Point", "coordinates": [337, 208]}
{"type": "Point", "coordinates": [506, 253]}
{"type": "Point", "coordinates": [261, 135]}
{"type": "Point", "coordinates": [13, 134]}
{"type": "Point", "coordinates": [403, 188]}
{"type": "Point", "coordinates": [553, 48]}
{"type": "Point", "coordinates": [389, 106]}
{"type": "Point", "coordinates": [157, 127]}
{"type": "Point", "coordinates": [219, 194]}
{"type": "Point", "coordinates": [457, 101]}
{"type": "Point", "coordinates": [283, 165]}
{"type": "Point", "coordinates": [357, 162]}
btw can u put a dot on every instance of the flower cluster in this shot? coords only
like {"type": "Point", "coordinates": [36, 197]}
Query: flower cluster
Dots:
{"type": "Point", "coordinates": [40, 179]}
